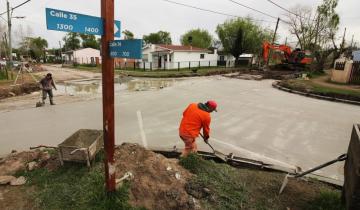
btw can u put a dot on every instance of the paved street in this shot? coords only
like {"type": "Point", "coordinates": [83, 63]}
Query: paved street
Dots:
{"type": "Point", "coordinates": [254, 120]}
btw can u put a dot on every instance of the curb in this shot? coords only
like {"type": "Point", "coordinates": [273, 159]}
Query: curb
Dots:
{"type": "Point", "coordinates": [312, 95]}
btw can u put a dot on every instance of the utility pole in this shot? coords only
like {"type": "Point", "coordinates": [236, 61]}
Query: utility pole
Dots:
{"type": "Point", "coordinates": [107, 13]}
{"type": "Point", "coordinates": [352, 40]}
{"type": "Point", "coordinates": [286, 41]}
{"type": "Point", "coordinates": [60, 51]}
{"type": "Point", "coordinates": [343, 42]}
{"type": "Point", "coordinates": [276, 28]}
{"type": "Point", "coordinates": [9, 34]}
{"type": "Point", "coordinates": [273, 40]}
{"type": "Point", "coordinates": [5, 52]}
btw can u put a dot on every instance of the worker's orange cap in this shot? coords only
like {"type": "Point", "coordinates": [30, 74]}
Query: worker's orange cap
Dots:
{"type": "Point", "coordinates": [212, 105]}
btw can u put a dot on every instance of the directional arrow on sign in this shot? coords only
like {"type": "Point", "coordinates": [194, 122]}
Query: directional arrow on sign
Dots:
{"type": "Point", "coordinates": [117, 28]}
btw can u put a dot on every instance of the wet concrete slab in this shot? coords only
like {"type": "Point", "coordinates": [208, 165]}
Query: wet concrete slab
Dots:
{"type": "Point", "coordinates": [94, 86]}
{"type": "Point", "coordinates": [254, 120]}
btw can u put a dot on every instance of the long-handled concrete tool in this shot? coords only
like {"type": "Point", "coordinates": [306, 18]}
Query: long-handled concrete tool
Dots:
{"type": "Point", "coordinates": [215, 152]}
{"type": "Point", "coordinates": [286, 179]}
{"type": "Point", "coordinates": [40, 102]}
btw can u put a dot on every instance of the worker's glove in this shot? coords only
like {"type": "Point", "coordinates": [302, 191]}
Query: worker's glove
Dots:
{"type": "Point", "coordinates": [206, 139]}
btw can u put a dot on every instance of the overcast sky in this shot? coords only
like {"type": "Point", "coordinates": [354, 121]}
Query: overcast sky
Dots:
{"type": "Point", "coordinates": [146, 16]}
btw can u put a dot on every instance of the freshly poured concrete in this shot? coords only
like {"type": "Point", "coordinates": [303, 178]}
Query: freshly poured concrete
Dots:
{"type": "Point", "coordinates": [254, 120]}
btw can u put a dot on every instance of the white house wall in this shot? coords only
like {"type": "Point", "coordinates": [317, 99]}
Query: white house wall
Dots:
{"type": "Point", "coordinates": [184, 59]}
{"type": "Point", "coordinates": [84, 56]}
{"type": "Point", "coordinates": [147, 56]}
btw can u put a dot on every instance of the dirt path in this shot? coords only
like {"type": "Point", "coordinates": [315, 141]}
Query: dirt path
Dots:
{"type": "Point", "coordinates": [64, 74]}
{"type": "Point", "coordinates": [323, 81]}
{"type": "Point", "coordinates": [60, 75]}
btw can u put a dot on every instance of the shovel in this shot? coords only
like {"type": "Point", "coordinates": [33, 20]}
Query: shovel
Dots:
{"type": "Point", "coordinates": [286, 179]}
{"type": "Point", "coordinates": [40, 103]}
{"type": "Point", "coordinates": [215, 152]}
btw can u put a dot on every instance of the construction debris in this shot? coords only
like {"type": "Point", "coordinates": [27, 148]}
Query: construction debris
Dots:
{"type": "Point", "coordinates": [6, 179]}
{"type": "Point", "coordinates": [31, 166]}
{"type": "Point", "coordinates": [18, 181]}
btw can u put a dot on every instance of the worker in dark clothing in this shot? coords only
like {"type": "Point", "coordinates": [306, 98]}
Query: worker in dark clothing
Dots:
{"type": "Point", "coordinates": [47, 83]}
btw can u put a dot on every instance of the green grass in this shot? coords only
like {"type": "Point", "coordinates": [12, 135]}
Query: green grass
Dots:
{"type": "Point", "coordinates": [87, 68]}
{"type": "Point", "coordinates": [303, 85]}
{"type": "Point", "coordinates": [233, 188]}
{"type": "Point", "coordinates": [3, 75]}
{"type": "Point", "coordinates": [323, 89]}
{"type": "Point", "coordinates": [326, 200]}
{"type": "Point", "coordinates": [229, 192]}
{"type": "Point", "coordinates": [74, 186]}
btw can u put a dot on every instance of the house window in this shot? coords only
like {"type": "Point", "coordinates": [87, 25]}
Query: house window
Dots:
{"type": "Point", "coordinates": [145, 57]}
{"type": "Point", "coordinates": [202, 56]}
{"type": "Point", "coordinates": [222, 58]}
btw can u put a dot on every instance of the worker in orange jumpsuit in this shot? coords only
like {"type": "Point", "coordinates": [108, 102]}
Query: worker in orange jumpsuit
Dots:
{"type": "Point", "coordinates": [195, 117]}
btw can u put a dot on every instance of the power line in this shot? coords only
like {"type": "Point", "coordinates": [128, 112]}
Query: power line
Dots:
{"type": "Point", "coordinates": [235, 2]}
{"type": "Point", "coordinates": [212, 11]}
{"type": "Point", "coordinates": [282, 8]}
{"type": "Point", "coordinates": [20, 4]}
{"type": "Point", "coordinates": [240, 4]}
{"type": "Point", "coordinates": [16, 6]}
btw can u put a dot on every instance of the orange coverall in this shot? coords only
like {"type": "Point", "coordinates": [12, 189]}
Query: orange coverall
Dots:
{"type": "Point", "coordinates": [193, 120]}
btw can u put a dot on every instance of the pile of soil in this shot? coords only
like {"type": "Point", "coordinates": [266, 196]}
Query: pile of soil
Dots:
{"type": "Point", "coordinates": [15, 162]}
{"type": "Point", "coordinates": [26, 88]}
{"type": "Point", "coordinates": [254, 74]}
{"type": "Point", "coordinates": [20, 197]}
{"type": "Point", "coordinates": [158, 183]}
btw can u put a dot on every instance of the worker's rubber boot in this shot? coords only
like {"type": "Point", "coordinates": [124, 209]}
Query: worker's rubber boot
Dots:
{"type": "Point", "coordinates": [52, 102]}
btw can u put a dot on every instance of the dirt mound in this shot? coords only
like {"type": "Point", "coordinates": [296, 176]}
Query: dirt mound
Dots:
{"type": "Point", "coordinates": [25, 88]}
{"type": "Point", "coordinates": [260, 75]}
{"type": "Point", "coordinates": [18, 161]}
{"type": "Point", "coordinates": [158, 183]}
{"type": "Point", "coordinates": [15, 162]}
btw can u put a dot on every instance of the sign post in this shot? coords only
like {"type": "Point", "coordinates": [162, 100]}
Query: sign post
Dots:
{"type": "Point", "coordinates": [131, 48]}
{"type": "Point", "coordinates": [107, 13]}
{"type": "Point", "coordinates": [60, 20]}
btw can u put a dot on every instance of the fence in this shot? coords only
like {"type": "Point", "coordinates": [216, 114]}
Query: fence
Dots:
{"type": "Point", "coordinates": [355, 73]}
{"type": "Point", "coordinates": [177, 66]}
{"type": "Point", "coordinates": [340, 66]}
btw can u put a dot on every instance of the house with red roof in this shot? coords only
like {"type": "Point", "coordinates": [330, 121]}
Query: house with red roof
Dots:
{"type": "Point", "coordinates": [161, 56]}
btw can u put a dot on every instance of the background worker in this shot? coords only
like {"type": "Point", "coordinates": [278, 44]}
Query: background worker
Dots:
{"type": "Point", "coordinates": [47, 83]}
{"type": "Point", "coordinates": [195, 117]}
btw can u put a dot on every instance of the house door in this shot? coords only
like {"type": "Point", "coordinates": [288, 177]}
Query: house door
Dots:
{"type": "Point", "coordinates": [159, 62]}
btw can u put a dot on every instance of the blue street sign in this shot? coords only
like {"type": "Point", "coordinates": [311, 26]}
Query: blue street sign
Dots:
{"type": "Point", "coordinates": [131, 48]}
{"type": "Point", "coordinates": [59, 20]}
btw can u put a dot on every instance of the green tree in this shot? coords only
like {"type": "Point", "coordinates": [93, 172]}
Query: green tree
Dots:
{"type": "Point", "coordinates": [89, 41]}
{"type": "Point", "coordinates": [316, 31]}
{"type": "Point", "coordinates": [241, 35]}
{"type": "Point", "coordinates": [72, 41]}
{"type": "Point", "coordinates": [34, 47]}
{"type": "Point", "coordinates": [128, 34]}
{"type": "Point", "coordinates": [200, 38]}
{"type": "Point", "coordinates": [161, 37]}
